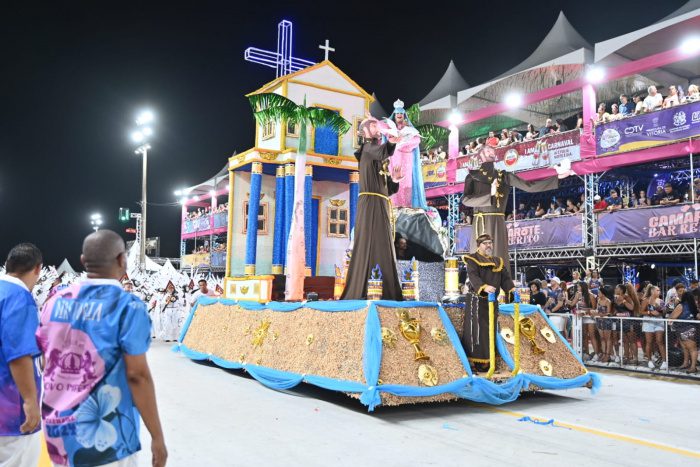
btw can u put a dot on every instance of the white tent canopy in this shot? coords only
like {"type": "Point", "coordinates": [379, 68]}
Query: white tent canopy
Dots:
{"type": "Point", "coordinates": [444, 94]}
{"type": "Point", "coordinates": [217, 182]}
{"type": "Point", "coordinates": [65, 268]}
{"type": "Point", "coordinates": [132, 260]}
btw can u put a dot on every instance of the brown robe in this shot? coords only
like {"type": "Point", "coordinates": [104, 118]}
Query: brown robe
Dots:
{"type": "Point", "coordinates": [489, 211]}
{"type": "Point", "coordinates": [373, 239]}
{"type": "Point", "coordinates": [482, 271]}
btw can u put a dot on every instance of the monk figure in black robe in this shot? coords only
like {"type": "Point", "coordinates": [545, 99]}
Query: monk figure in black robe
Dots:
{"type": "Point", "coordinates": [487, 274]}
{"type": "Point", "coordinates": [486, 189]}
{"type": "Point", "coordinates": [373, 242]}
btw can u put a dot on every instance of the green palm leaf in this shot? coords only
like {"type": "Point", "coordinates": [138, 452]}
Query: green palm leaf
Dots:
{"type": "Point", "coordinates": [320, 117]}
{"type": "Point", "coordinates": [431, 135]}
{"type": "Point", "coordinates": [413, 114]}
{"type": "Point", "coordinates": [269, 107]}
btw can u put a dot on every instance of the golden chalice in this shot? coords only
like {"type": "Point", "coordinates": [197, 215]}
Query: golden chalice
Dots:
{"type": "Point", "coordinates": [528, 328]}
{"type": "Point", "coordinates": [410, 330]}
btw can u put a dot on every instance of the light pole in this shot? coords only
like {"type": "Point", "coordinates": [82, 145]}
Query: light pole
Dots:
{"type": "Point", "coordinates": [141, 137]}
{"type": "Point", "coordinates": [96, 221]}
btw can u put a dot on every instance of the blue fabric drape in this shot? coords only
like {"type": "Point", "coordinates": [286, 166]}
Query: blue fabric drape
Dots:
{"type": "Point", "coordinates": [354, 195]}
{"type": "Point", "coordinates": [288, 211]}
{"type": "Point", "coordinates": [251, 239]}
{"type": "Point", "coordinates": [470, 387]}
{"type": "Point", "coordinates": [308, 222]}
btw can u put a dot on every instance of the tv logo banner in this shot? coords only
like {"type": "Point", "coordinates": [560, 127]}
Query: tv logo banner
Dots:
{"type": "Point", "coordinates": [648, 130]}
{"type": "Point", "coordinates": [649, 224]}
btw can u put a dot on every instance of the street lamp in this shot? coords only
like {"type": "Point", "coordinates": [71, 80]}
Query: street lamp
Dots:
{"type": "Point", "coordinates": [96, 221]}
{"type": "Point", "coordinates": [141, 137]}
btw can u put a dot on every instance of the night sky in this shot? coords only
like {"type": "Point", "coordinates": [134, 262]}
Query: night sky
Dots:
{"type": "Point", "coordinates": [74, 76]}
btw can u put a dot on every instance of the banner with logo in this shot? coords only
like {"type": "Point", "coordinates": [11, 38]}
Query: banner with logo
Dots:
{"type": "Point", "coordinates": [652, 224]}
{"type": "Point", "coordinates": [435, 175]}
{"type": "Point", "coordinates": [532, 233]}
{"type": "Point", "coordinates": [648, 130]}
{"type": "Point", "coordinates": [529, 155]}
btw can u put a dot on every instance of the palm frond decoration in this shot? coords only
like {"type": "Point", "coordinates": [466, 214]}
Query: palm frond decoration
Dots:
{"type": "Point", "coordinates": [320, 117]}
{"type": "Point", "coordinates": [431, 135]}
{"type": "Point", "coordinates": [413, 114]}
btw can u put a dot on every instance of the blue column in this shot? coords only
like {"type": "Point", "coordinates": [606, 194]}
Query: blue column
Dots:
{"type": "Point", "coordinates": [354, 194]}
{"type": "Point", "coordinates": [308, 222]}
{"type": "Point", "coordinates": [288, 207]}
{"type": "Point", "coordinates": [251, 239]}
{"type": "Point", "coordinates": [278, 239]}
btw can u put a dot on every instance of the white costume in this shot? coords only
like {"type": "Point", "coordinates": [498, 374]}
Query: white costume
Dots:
{"type": "Point", "coordinates": [166, 311]}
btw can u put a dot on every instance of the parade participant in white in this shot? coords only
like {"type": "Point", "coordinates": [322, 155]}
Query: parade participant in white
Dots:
{"type": "Point", "coordinates": [166, 310]}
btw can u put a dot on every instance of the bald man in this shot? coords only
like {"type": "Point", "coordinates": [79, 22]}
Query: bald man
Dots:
{"type": "Point", "coordinates": [94, 337]}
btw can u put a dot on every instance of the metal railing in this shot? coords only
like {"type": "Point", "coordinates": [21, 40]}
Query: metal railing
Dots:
{"type": "Point", "coordinates": [649, 345]}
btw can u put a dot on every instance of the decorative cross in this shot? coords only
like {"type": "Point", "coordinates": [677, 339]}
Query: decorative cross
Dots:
{"type": "Point", "coordinates": [327, 48]}
{"type": "Point", "coordinates": [282, 60]}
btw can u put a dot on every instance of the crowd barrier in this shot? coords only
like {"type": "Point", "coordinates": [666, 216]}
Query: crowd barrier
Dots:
{"type": "Point", "coordinates": [643, 345]}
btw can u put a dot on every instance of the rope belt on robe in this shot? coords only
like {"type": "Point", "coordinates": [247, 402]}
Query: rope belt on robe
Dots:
{"type": "Point", "coordinates": [479, 216]}
{"type": "Point", "coordinates": [391, 209]}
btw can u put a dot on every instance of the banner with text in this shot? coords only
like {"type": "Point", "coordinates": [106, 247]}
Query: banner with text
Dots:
{"type": "Point", "coordinates": [648, 130]}
{"type": "Point", "coordinates": [532, 233]}
{"type": "Point", "coordinates": [645, 225]}
{"type": "Point", "coordinates": [435, 175]}
{"type": "Point", "coordinates": [538, 154]}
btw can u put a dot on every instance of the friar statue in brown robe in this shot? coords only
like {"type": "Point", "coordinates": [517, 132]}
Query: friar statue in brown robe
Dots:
{"type": "Point", "coordinates": [373, 242]}
{"type": "Point", "coordinates": [486, 190]}
{"type": "Point", "coordinates": [486, 274]}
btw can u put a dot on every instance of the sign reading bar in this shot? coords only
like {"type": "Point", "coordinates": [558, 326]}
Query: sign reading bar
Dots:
{"type": "Point", "coordinates": [529, 155]}
{"type": "Point", "coordinates": [648, 130]}
{"type": "Point", "coordinates": [532, 233]}
{"type": "Point", "coordinates": [652, 224]}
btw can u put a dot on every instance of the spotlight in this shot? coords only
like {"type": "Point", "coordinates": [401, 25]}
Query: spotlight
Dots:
{"type": "Point", "coordinates": [177, 192]}
{"type": "Point", "coordinates": [145, 117]}
{"type": "Point", "coordinates": [514, 100]}
{"type": "Point", "coordinates": [595, 75]}
{"type": "Point", "coordinates": [196, 198]}
{"type": "Point", "coordinates": [137, 136]}
{"type": "Point", "coordinates": [691, 45]}
{"type": "Point", "coordinates": [653, 266]}
{"type": "Point", "coordinates": [148, 131]}
{"type": "Point", "coordinates": [455, 117]}
{"type": "Point", "coordinates": [212, 193]}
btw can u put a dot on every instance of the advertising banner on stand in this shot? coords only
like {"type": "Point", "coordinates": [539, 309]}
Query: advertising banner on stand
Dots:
{"type": "Point", "coordinates": [653, 224]}
{"type": "Point", "coordinates": [537, 154]}
{"type": "Point", "coordinates": [435, 174]}
{"type": "Point", "coordinates": [648, 130]}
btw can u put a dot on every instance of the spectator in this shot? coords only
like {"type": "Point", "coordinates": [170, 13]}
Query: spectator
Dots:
{"type": "Point", "coordinates": [521, 213]}
{"type": "Point", "coordinates": [555, 297]}
{"type": "Point", "coordinates": [515, 136]}
{"type": "Point", "coordinates": [547, 128]}
{"type": "Point", "coordinates": [693, 94]}
{"type": "Point", "coordinates": [642, 199]}
{"type": "Point", "coordinates": [687, 309]}
{"type": "Point", "coordinates": [20, 441]}
{"type": "Point", "coordinates": [441, 154]}
{"type": "Point", "coordinates": [581, 202]}
{"type": "Point", "coordinates": [554, 210]}
{"type": "Point", "coordinates": [128, 286]}
{"type": "Point", "coordinates": [560, 126]}
{"type": "Point", "coordinates": [594, 281]}
{"type": "Point", "coordinates": [110, 334]}
{"type": "Point", "coordinates": [626, 107]}
{"type": "Point", "coordinates": [537, 297]}
{"type": "Point", "coordinates": [539, 210]}
{"type": "Point", "coordinates": [492, 140]}
{"type": "Point", "coordinates": [695, 188]}
{"type": "Point", "coordinates": [672, 98]}
{"type": "Point", "coordinates": [571, 208]}
{"type": "Point", "coordinates": [613, 201]}
{"type": "Point", "coordinates": [530, 213]}
{"type": "Point", "coordinates": [579, 122]}
{"type": "Point", "coordinates": [677, 288]}
{"type": "Point", "coordinates": [669, 197]}
{"type": "Point", "coordinates": [658, 196]}
{"type": "Point", "coordinates": [599, 204]}
{"type": "Point", "coordinates": [575, 277]}
{"type": "Point", "coordinates": [633, 202]}
{"type": "Point", "coordinates": [652, 310]}
{"type": "Point", "coordinates": [626, 304]}
{"type": "Point", "coordinates": [653, 101]}
{"type": "Point", "coordinates": [614, 113]}
{"type": "Point", "coordinates": [638, 105]}
{"type": "Point", "coordinates": [462, 217]}
{"type": "Point", "coordinates": [605, 324]}
{"type": "Point", "coordinates": [584, 304]}
{"type": "Point", "coordinates": [504, 139]}
{"type": "Point", "coordinates": [602, 116]}
{"type": "Point", "coordinates": [531, 132]}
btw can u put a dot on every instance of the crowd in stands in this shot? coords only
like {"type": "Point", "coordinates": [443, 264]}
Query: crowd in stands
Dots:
{"type": "Point", "coordinates": [206, 211]}
{"type": "Point", "coordinates": [608, 339]}
{"type": "Point", "coordinates": [652, 102]}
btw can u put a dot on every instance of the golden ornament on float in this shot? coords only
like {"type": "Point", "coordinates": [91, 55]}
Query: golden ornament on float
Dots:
{"type": "Point", "coordinates": [261, 333]}
{"type": "Point", "coordinates": [389, 337]}
{"type": "Point", "coordinates": [427, 375]}
{"type": "Point", "coordinates": [529, 330]}
{"type": "Point", "coordinates": [309, 339]}
{"type": "Point", "coordinates": [508, 336]}
{"type": "Point", "coordinates": [410, 329]}
{"type": "Point", "coordinates": [439, 335]}
{"type": "Point", "coordinates": [546, 368]}
{"type": "Point", "coordinates": [548, 334]}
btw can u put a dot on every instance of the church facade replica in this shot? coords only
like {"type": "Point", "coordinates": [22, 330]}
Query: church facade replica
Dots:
{"type": "Point", "coordinates": [268, 168]}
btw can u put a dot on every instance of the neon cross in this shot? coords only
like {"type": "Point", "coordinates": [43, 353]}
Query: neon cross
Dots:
{"type": "Point", "coordinates": [327, 48]}
{"type": "Point", "coordinates": [282, 60]}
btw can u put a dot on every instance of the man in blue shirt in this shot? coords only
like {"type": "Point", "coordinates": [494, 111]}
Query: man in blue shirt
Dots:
{"type": "Point", "coordinates": [20, 444]}
{"type": "Point", "coordinates": [97, 384]}
{"type": "Point", "coordinates": [614, 201]}
{"type": "Point", "coordinates": [626, 107]}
